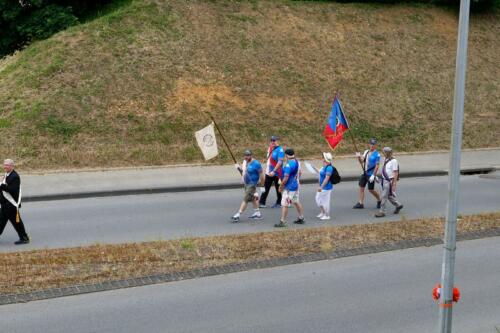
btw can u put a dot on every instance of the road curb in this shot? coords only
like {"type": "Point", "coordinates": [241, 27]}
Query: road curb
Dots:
{"type": "Point", "coordinates": [233, 268]}
{"type": "Point", "coordinates": [212, 187]}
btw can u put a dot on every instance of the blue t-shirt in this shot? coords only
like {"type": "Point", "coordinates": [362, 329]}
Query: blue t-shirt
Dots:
{"type": "Point", "coordinates": [371, 162]}
{"type": "Point", "coordinates": [278, 154]}
{"type": "Point", "coordinates": [326, 170]}
{"type": "Point", "coordinates": [291, 170]}
{"type": "Point", "coordinates": [252, 173]}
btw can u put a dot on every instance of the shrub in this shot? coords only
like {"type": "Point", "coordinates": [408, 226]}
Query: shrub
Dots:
{"type": "Point", "coordinates": [22, 21]}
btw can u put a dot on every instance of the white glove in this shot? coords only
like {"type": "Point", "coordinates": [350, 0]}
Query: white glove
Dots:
{"type": "Point", "coordinates": [372, 178]}
{"type": "Point", "coordinates": [358, 154]}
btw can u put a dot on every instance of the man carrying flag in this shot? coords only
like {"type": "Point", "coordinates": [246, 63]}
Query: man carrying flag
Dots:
{"type": "Point", "coordinates": [336, 126]}
{"type": "Point", "coordinates": [253, 176]}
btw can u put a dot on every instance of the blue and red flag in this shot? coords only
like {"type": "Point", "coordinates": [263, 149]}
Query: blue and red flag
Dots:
{"type": "Point", "coordinates": [336, 126]}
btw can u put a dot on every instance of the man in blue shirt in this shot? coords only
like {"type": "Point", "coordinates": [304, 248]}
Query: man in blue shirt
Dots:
{"type": "Point", "coordinates": [289, 189]}
{"type": "Point", "coordinates": [274, 171]}
{"type": "Point", "coordinates": [370, 160]}
{"type": "Point", "coordinates": [252, 175]}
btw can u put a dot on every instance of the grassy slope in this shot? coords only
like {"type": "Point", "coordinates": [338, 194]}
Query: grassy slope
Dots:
{"type": "Point", "coordinates": [132, 86]}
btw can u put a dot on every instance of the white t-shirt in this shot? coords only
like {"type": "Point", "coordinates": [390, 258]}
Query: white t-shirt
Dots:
{"type": "Point", "coordinates": [390, 167]}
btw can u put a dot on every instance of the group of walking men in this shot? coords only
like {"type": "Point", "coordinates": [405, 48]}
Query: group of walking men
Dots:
{"type": "Point", "coordinates": [283, 171]}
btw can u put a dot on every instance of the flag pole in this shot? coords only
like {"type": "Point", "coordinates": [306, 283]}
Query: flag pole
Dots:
{"type": "Point", "coordinates": [449, 248]}
{"type": "Point", "coordinates": [224, 139]}
{"type": "Point", "coordinates": [352, 137]}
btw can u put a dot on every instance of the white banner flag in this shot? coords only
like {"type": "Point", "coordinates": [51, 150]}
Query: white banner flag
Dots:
{"type": "Point", "coordinates": [206, 141]}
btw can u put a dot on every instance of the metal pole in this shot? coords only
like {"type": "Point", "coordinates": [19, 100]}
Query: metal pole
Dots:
{"type": "Point", "coordinates": [447, 278]}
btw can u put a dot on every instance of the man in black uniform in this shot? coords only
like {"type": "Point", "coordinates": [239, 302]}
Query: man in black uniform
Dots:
{"type": "Point", "coordinates": [10, 191]}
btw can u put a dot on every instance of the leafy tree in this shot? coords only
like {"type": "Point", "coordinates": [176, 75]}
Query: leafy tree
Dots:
{"type": "Point", "coordinates": [22, 21]}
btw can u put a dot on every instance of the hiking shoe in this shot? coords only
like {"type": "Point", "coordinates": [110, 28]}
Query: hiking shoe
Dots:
{"type": "Point", "coordinates": [398, 208]}
{"type": "Point", "coordinates": [379, 203]}
{"type": "Point", "coordinates": [22, 241]}
{"type": "Point", "coordinates": [256, 216]}
{"type": "Point", "coordinates": [324, 217]}
{"type": "Point", "coordinates": [299, 221]}
{"type": "Point", "coordinates": [282, 224]}
{"type": "Point", "coordinates": [358, 206]}
{"type": "Point", "coordinates": [262, 206]}
{"type": "Point", "coordinates": [276, 206]}
{"type": "Point", "coordinates": [235, 219]}
{"type": "Point", "coordinates": [380, 214]}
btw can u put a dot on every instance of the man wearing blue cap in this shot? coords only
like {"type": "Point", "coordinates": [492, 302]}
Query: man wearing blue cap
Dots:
{"type": "Point", "coordinates": [252, 176]}
{"type": "Point", "coordinates": [274, 171]}
{"type": "Point", "coordinates": [370, 160]}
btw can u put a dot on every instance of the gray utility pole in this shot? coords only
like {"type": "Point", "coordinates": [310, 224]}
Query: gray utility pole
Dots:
{"type": "Point", "coordinates": [446, 299]}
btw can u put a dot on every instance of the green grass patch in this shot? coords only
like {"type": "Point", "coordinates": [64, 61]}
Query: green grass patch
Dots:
{"type": "Point", "coordinates": [59, 127]}
{"type": "Point", "coordinates": [33, 270]}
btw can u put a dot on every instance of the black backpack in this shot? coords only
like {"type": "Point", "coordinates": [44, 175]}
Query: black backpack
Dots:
{"type": "Point", "coordinates": [335, 177]}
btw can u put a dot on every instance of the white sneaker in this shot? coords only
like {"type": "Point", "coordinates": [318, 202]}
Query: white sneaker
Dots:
{"type": "Point", "coordinates": [320, 215]}
{"type": "Point", "coordinates": [256, 216]}
{"type": "Point", "coordinates": [324, 217]}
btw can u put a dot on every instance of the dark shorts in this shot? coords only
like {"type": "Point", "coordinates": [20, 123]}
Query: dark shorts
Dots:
{"type": "Point", "coordinates": [249, 193]}
{"type": "Point", "coordinates": [363, 180]}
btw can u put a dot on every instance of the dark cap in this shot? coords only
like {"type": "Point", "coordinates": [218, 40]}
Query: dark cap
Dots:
{"type": "Point", "coordinates": [289, 152]}
{"type": "Point", "coordinates": [275, 138]}
{"type": "Point", "coordinates": [247, 152]}
{"type": "Point", "coordinates": [373, 141]}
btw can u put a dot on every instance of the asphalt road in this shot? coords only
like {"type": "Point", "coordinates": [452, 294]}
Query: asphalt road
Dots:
{"type": "Point", "coordinates": [120, 219]}
{"type": "Point", "coordinates": [384, 292]}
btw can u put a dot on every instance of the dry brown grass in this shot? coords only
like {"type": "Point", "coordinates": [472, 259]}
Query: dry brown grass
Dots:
{"type": "Point", "coordinates": [42, 269]}
{"type": "Point", "coordinates": [132, 86]}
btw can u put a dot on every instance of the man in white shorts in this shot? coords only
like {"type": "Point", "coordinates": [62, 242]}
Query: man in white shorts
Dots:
{"type": "Point", "coordinates": [289, 189]}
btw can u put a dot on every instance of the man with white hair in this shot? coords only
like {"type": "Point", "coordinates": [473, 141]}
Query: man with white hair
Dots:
{"type": "Point", "coordinates": [390, 177]}
{"type": "Point", "coordinates": [10, 200]}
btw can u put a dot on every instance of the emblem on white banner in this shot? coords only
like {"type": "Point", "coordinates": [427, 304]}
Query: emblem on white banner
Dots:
{"type": "Point", "coordinates": [207, 142]}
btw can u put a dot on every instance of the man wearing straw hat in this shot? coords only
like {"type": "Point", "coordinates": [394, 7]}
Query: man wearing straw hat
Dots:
{"type": "Point", "coordinates": [325, 187]}
{"type": "Point", "coordinates": [10, 199]}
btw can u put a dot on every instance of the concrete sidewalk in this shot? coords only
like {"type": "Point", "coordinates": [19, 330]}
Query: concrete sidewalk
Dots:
{"type": "Point", "coordinates": [79, 184]}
